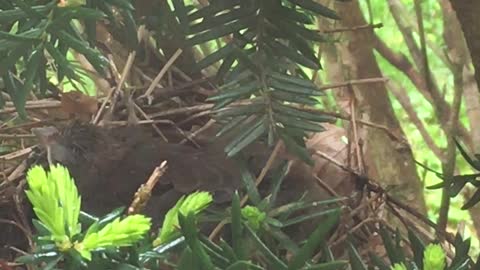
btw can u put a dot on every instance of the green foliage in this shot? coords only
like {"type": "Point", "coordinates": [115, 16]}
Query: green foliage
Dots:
{"type": "Point", "coordinates": [118, 233]}
{"type": "Point", "coordinates": [111, 242]}
{"type": "Point", "coordinates": [434, 258]}
{"type": "Point", "coordinates": [264, 242]}
{"type": "Point", "coordinates": [254, 216]}
{"type": "Point", "coordinates": [318, 237]}
{"type": "Point", "coordinates": [193, 203]}
{"type": "Point", "coordinates": [399, 266]}
{"type": "Point", "coordinates": [260, 225]}
{"type": "Point", "coordinates": [75, 3]}
{"type": "Point", "coordinates": [190, 231]}
{"type": "Point", "coordinates": [257, 239]}
{"type": "Point", "coordinates": [430, 257]}
{"type": "Point", "coordinates": [262, 48]}
{"type": "Point", "coordinates": [460, 181]}
{"type": "Point", "coordinates": [56, 203]}
{"type": "Point", "coordinates": [262, 63]}
{"type": "Point", "coordinates": [37, 36]}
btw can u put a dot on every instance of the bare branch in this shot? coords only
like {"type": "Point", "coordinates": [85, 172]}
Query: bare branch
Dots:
{"type": "Point", "coordinates": [442, 108]}
{"type": "Point", "coordinates": [404, 100]}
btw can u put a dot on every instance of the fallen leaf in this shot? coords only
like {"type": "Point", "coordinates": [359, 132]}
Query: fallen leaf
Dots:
{"type": "Point", "coordinates": [79, 105]}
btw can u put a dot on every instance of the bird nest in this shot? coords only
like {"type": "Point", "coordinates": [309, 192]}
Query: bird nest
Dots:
{"type": "Point", "coordinates": [155, 94]}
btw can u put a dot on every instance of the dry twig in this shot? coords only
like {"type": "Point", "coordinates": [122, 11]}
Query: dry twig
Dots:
{"type": "Point", "coordinates": [144, 192]}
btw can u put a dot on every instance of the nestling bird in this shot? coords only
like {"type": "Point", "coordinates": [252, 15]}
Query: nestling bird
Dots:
{"type": "Point", "coordinates": [110, 163]}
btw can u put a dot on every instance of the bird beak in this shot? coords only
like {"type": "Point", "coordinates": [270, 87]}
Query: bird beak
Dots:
{"type": "Point", "coordinates": [46, 136]}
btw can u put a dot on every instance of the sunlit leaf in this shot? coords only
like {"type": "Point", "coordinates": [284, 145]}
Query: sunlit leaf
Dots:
{"type": "Point", "coordinates": [434, 257]}
{"type": "Point", "coordinates": [119, 233]}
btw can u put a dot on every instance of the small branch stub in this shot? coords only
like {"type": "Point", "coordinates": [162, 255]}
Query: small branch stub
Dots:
{"type": "Point", "coordinates": [144, 192]}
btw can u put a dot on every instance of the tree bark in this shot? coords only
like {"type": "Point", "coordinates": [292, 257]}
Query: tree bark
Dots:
{"type": "Point", "coordinates": [468, 14]}
{"type": "Point", "coordinates": [387, 160]}
{"type": "Point", "coordinates": [458, 52]}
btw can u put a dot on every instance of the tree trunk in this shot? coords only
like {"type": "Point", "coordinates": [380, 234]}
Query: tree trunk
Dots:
{"type": "Point", "coordinates": [467, 13]}
{"type": "Point", "coordinates": [387, 160]}
{"type": "Point", "coordinates": [458, 52]}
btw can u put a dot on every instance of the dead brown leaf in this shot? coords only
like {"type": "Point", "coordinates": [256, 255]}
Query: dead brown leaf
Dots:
{"type": "Point", "coordinates": [79, 105]}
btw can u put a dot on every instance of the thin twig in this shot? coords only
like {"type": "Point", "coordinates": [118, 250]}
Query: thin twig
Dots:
{"type": "Point", "coordinates": [373, 186]}
{"type": "Point", "coordinates": [449, 162]}
{"type": "Point", "coordinates": [353, 121]}
{"type": "Point", "coordinates": [33, 106]}
{"type": "Point", "coordinates": [17, 154]}
{"type": "Point", "coordinates": [125, 72]}
{"type": "Point", "coordinates": [18, 172]}
{"type": "Point", "coordinates": [162, 73]}
{"type": "Point", "coordinates": [198, 131]}
{"type": "Point", "coordinates": [146, 116]}
{"type": "Point", "coordinates": [404, 100]}
{"type": "Point", "coordinates": [388, 131]}
{"type": "Point", "coordinates": [355, 28]}
{"type": "Point", "coordinates": [266, 168]}
{"type": "Point", "coordinates": [173, 124]}
{"type": "Point", "coordinates": [184, 110]}
{"type": "Point", "coordinates": [403, 63]}
{"type": "Point", "coordinates": [144, 192]}
{"type": "Point", "coordinates": [16, 136]}
{"type": "Point", "coordinates": [141, 122]}
{"type": "Point", "coordinates": [353, 82]}
{"type": "Point", "coordinates": [326, 187]}
{"type": "Point", "coordinates": [193, 117]}
{"type": "Point", "coordinates": [355, 228]}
